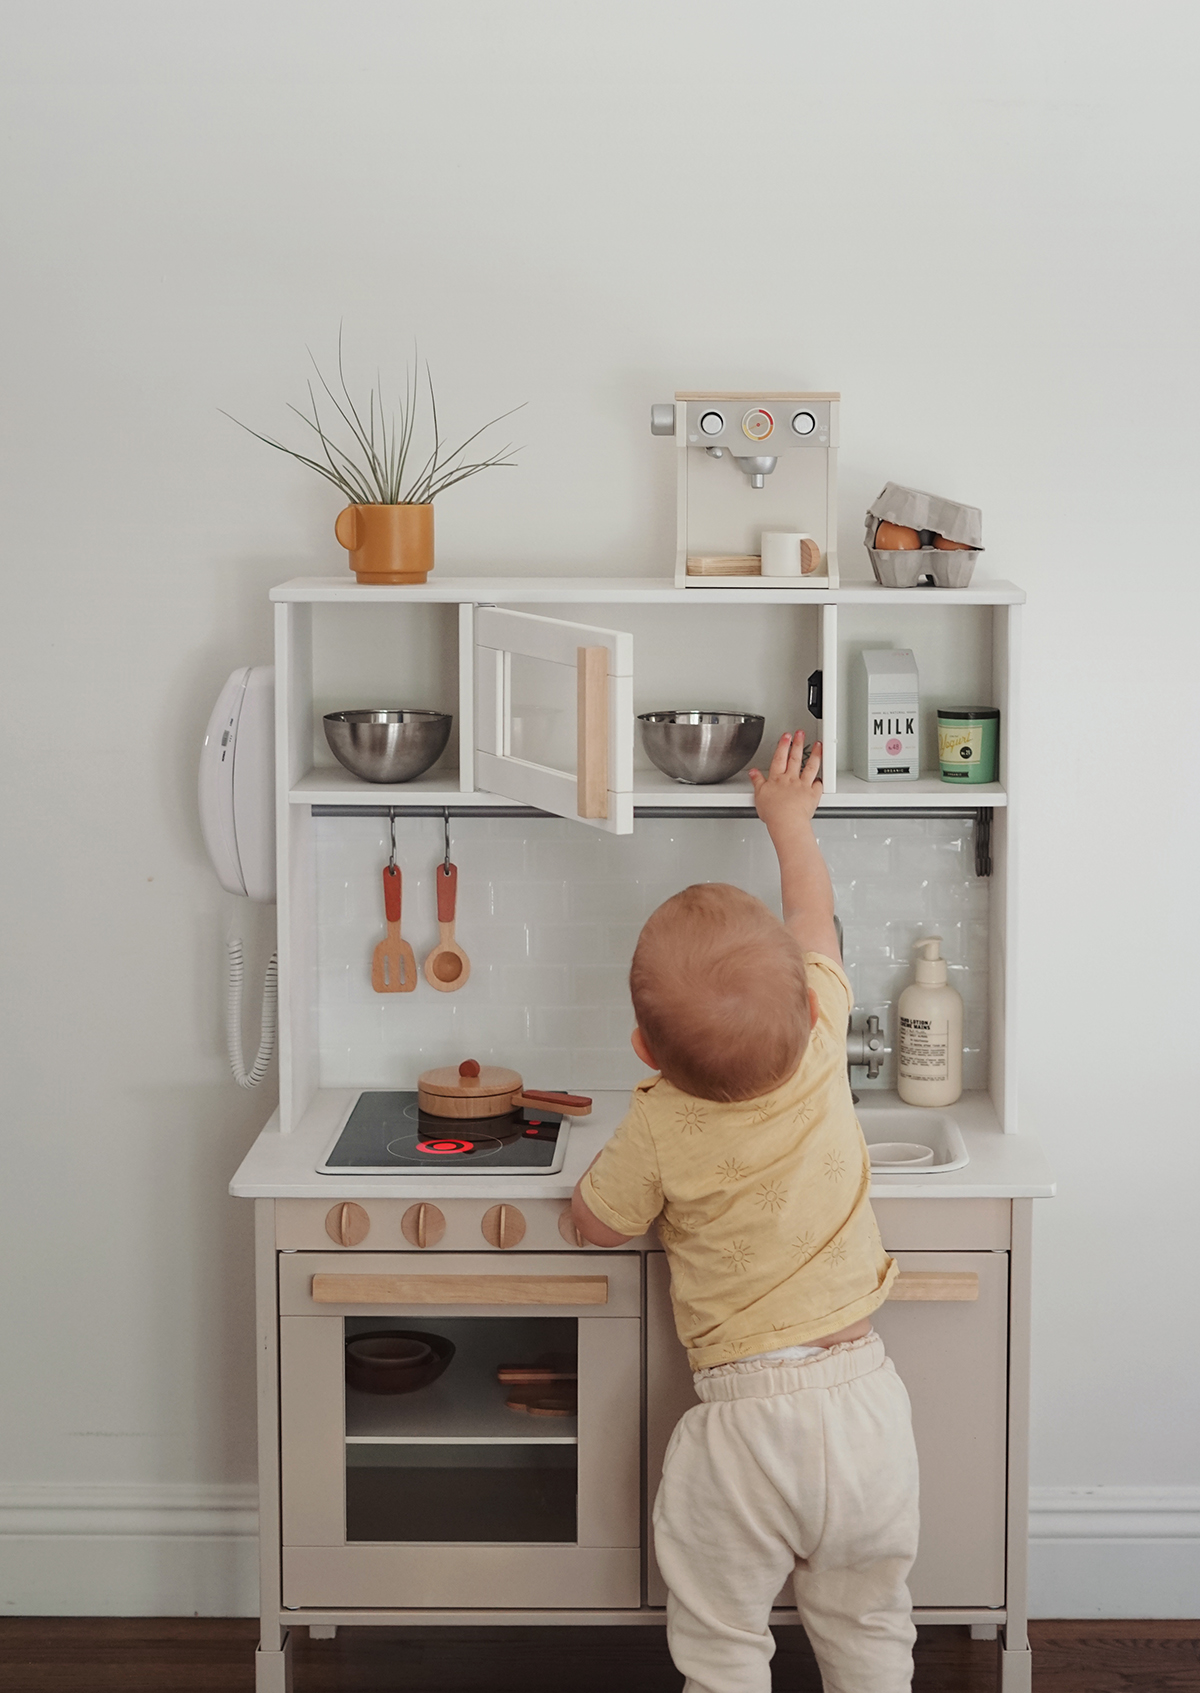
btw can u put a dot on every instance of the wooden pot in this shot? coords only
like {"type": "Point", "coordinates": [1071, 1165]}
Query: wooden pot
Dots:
{"type": "Point", "coordinates": [473, 1091]}
{"type": "Point", "coordinates": [388, 545]}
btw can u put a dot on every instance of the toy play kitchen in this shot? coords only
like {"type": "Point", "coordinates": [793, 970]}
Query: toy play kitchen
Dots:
{"type": "Point", "coordinates": [411, 1193]}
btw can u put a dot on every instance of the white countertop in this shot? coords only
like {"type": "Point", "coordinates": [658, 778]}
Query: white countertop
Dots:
{"type": "Point", "coordinates": [284, 1166]}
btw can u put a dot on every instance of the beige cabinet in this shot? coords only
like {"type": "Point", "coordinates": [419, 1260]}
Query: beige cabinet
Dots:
{"type": "Point", "coordinates": [392, 1501]}
{"type": "Point", "coordinates": [952, 1354]}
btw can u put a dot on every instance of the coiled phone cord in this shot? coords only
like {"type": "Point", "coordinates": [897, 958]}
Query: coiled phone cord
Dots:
{"type": "Point", "coordinates": [233, 1016]}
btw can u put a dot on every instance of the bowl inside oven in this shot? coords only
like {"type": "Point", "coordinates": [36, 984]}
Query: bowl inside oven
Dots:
{"type": "Point", "coordinates": [396, 1360]}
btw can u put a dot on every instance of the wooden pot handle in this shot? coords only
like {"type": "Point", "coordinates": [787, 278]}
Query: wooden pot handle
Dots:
{"type": "Point", "coordinates": [346, 528]}
{"type": "Point", "coordinates": [576, 1103]}
{"type": "Point", "coordinates": [391, 892]}
{"type": "Point", "coordinates": [447, 892]}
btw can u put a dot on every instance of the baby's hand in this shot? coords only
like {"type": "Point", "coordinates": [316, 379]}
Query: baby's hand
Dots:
{"type": "Point", "coordinates": [791, 789]}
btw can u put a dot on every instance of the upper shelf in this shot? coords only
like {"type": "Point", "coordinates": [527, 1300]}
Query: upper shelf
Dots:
{"type": "Point", "coordinates": [628, 590]}
{"type": "Point", "coordinates": [331, 785]}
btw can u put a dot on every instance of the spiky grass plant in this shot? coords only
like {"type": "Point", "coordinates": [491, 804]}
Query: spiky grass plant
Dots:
{"type": "Point", "coordinates": [376, 469]}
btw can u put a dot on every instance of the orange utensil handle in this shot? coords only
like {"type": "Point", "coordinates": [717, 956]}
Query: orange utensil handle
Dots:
{"type": "Point", "coordinates": [447, 892]}
{"type": "Point", "coordinates": [391, 892]}
{"type": "Point", "coordinates": [576, 1102]}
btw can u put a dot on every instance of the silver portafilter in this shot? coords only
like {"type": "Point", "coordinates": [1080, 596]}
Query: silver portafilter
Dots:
{"type": "Point", "coordinates": [756, 468]}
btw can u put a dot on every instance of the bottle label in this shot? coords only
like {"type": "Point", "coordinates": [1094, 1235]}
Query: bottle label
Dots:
{"type": "Point", "coordinates": [924, 1050]}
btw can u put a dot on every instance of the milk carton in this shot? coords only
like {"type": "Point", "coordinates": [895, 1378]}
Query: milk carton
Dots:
{"type": "Point", "coordinates": [885, 714]}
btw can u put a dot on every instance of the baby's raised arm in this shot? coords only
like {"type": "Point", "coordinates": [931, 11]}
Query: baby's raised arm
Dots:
{"type": "Point", "coordinates": [786, 798]}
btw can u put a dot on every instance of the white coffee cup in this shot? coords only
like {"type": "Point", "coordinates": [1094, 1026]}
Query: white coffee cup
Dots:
{"type": "Point", "coordinates": [788, 554]}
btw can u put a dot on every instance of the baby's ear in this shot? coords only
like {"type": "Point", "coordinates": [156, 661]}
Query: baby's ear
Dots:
{"type": "Point", "coordinates": [814, 1006]}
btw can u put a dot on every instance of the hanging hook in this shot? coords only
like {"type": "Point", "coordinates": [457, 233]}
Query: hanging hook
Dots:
{"type": "Point", "coordinates": [392, 826]}
{"type": "Point", "coordinates": [446, 832]}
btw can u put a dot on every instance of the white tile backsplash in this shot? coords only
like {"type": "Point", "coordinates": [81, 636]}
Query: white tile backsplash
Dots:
{"type": "Point", "coordinates": [549, 913]}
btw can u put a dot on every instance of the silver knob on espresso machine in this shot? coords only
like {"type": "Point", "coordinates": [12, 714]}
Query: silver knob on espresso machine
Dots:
{"type": "Point", "coordinates": [662, 420]}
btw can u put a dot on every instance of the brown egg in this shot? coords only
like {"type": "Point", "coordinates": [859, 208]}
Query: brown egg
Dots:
{"type": "Point", "coordinates": [896, 538]}
{"type": "Point", "coordinates": [945, 546]}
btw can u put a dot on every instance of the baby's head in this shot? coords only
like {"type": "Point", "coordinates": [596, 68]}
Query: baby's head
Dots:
{"type": "Point", "coordinates": [720, 993]}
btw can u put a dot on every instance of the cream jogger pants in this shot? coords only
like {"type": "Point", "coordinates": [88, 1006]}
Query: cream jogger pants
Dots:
{"type": "Point", "coordinates": [805, 1470]}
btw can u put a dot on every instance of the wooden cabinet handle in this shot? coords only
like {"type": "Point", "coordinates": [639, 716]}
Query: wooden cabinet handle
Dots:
{"type": "Point", "coordinates": [503, 1227]}
{"type": "Point", "coordinates": [347, 1224]}
{"type": "Point", "coordinates": [331, 1288]}
{"type": "Point", "coordinates": [591, 781]}
{"type": "Point", "coordinates": [935, 1284]}
{"type": "Point", "coordinates": [423, 1225]}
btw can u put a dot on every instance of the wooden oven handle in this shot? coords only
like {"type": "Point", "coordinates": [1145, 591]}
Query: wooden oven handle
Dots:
{"type": "Point", "coordinates": [330, 1288]}
{"type": "Point", "coordinates": [591, 780]}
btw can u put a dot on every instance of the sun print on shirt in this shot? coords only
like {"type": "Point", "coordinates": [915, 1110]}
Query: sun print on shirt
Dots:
{"type": "Point", "coordinates": [802, 1115]}
{"type": "Point", "coordinates": [771, 1196]}
{"type": "Point", "coordinates": [836, 1250]}
{"type": "Point", "coordinates": [803, 1245]}
{"type": "Point", "coordinates": [737, 1255]}
{"type": "Point", "coordinates": [732, 1170]}
{"type": "Point", "coordinates": [835, 1166]}
{"type": "Point", "coordinates": [690, 1118]}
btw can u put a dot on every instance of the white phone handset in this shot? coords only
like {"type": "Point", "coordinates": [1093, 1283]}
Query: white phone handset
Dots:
{"type": "Point", "coordinates": [237, 783]}
{"type": "Point", "coordinates": [237, 820]}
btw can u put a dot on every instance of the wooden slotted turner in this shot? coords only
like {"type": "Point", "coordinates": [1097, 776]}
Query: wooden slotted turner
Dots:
{"type": "Point", "coordinates": [393, 967]}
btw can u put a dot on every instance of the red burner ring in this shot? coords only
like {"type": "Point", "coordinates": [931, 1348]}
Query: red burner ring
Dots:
{"type": "Point", "coordinates": [444, 1146]}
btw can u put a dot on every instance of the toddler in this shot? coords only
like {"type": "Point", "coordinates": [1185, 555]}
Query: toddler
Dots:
{"type": "Point", "coordinates": [799, 1462]}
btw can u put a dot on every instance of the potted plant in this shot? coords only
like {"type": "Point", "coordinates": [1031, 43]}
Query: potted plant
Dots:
{"type": "Point", "coordinates": [387, 528]}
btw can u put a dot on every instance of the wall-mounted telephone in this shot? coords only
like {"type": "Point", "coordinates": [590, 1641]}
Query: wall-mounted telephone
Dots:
{"type": "Point", "coordinates": [237, 820]}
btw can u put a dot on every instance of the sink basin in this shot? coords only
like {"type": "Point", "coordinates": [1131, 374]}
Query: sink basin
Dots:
{"type": "Point", "coordinates": [891, 1122]}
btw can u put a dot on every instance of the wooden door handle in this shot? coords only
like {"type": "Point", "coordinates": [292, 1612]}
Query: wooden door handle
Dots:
{"type": "Point", "coordinates": [591, 781]}
{"type": "Point", "coordinates": [329, 1288]}
{"type": "Point", "coordinates": [935, 1284]}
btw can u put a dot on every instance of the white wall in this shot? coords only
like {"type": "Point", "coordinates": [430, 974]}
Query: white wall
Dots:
{"type": "Point", "coordinates": [977, 222]}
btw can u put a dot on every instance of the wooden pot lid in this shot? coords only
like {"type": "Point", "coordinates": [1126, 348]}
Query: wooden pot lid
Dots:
{"type": "Point", "coordinates": [469, 1081]}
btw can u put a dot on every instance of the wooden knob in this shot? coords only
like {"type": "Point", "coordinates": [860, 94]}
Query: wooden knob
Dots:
{"type": "Point", "coordinates": [567, 1229]}
{"type": "Point", "coordinates": [469, 1069]}
{"type": "Point", "coordinates": [347, 1224]}
{"type": "Point", "coordinates": [423, 1225]}
{"type": "Point", "coordinates": [503, 1226]}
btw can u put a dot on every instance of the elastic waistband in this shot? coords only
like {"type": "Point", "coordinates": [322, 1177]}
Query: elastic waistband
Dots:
{"type": "Point", "coordinates": [763, 1378]}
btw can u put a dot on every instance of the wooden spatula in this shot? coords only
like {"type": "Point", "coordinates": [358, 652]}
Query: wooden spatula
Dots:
{"type": "Point", "coordinates": [393, 968]}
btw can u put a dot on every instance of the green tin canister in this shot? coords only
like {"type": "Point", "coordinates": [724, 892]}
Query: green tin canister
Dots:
{"type": "Point", "coordinates": [967, 744]}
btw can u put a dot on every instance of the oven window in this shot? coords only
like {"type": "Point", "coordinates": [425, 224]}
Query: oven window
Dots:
{"type": "Point", "coordinates": [461, 1429]}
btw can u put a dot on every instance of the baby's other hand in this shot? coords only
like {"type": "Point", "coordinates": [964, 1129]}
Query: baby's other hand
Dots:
{"type": "Point", "coordinates": [791, 790]}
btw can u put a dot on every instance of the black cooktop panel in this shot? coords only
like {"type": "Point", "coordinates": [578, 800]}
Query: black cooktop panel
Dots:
{"type": "Point", "coordinates": [389, 1131]}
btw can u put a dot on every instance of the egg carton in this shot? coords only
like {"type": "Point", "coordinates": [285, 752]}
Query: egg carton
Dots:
{"type": "Point", "coordinates": [928, 513]}
{"type": "Point", "coordinates": [909, 569]}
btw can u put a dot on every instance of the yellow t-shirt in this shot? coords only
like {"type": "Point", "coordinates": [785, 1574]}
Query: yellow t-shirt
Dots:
{"type": "Point", "coordinates": [762, 1205]}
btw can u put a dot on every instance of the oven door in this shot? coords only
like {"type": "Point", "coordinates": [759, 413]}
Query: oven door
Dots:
{"type": "Point", "coordinates": [446, 1496]}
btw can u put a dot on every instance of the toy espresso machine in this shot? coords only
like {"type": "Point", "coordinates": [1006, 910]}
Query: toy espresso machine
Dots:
{"type": "Point", "coordinates": [756, 489]}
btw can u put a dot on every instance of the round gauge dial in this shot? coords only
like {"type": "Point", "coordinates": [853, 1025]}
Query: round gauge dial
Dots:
{"type": "Point", "coordinates": [804, 423]}
{"type": "Point", "coordinates": [758, 424]}
{"type": "Point", "coordinates": [712, 423]}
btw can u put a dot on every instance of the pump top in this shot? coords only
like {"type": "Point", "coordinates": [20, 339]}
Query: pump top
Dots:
{"type": "Point", "coordinates": [931, 966]}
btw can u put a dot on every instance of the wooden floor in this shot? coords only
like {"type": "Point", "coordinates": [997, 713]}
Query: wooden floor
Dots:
{"type": "Point", "coordinates": [197, 1655]}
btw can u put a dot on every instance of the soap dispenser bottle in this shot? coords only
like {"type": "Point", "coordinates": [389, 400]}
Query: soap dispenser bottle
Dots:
{"type": "Point", "coordinates": [930, 1033]}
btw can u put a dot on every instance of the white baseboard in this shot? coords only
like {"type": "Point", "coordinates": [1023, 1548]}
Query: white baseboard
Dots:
{"type": "Point", "coordinates": [1114, 1551]}
{"type": "Point", "coordinates": [171, 1550]}
{"type": "Point", "coordinates": [136, 1550]}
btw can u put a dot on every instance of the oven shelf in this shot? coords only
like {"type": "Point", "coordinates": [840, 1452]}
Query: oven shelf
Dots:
{"type": "Point", "coordinates": [466, 1411]}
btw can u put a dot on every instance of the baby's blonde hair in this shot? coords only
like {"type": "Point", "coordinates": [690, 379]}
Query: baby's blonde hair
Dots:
{"type": "Point", "coordinates": [720, 993]}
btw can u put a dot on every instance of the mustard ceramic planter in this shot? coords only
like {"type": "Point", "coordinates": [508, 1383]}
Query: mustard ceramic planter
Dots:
{"type": "Point", "coordinates": [389, 545]}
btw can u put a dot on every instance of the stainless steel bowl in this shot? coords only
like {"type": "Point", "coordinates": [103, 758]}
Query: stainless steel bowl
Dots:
{"type": "Point", "coordinates": [700, 746]}
{"type": "Point", "coordinates": [387, 746]}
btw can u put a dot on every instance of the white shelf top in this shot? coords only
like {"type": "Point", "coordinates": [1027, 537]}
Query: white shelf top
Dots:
{"type": "Point", "coordinates": [333, 785]}
{"type": "Point", "coordinates": [445, 589]}
{"type": "Point", "coordinates": [284, 1166]}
